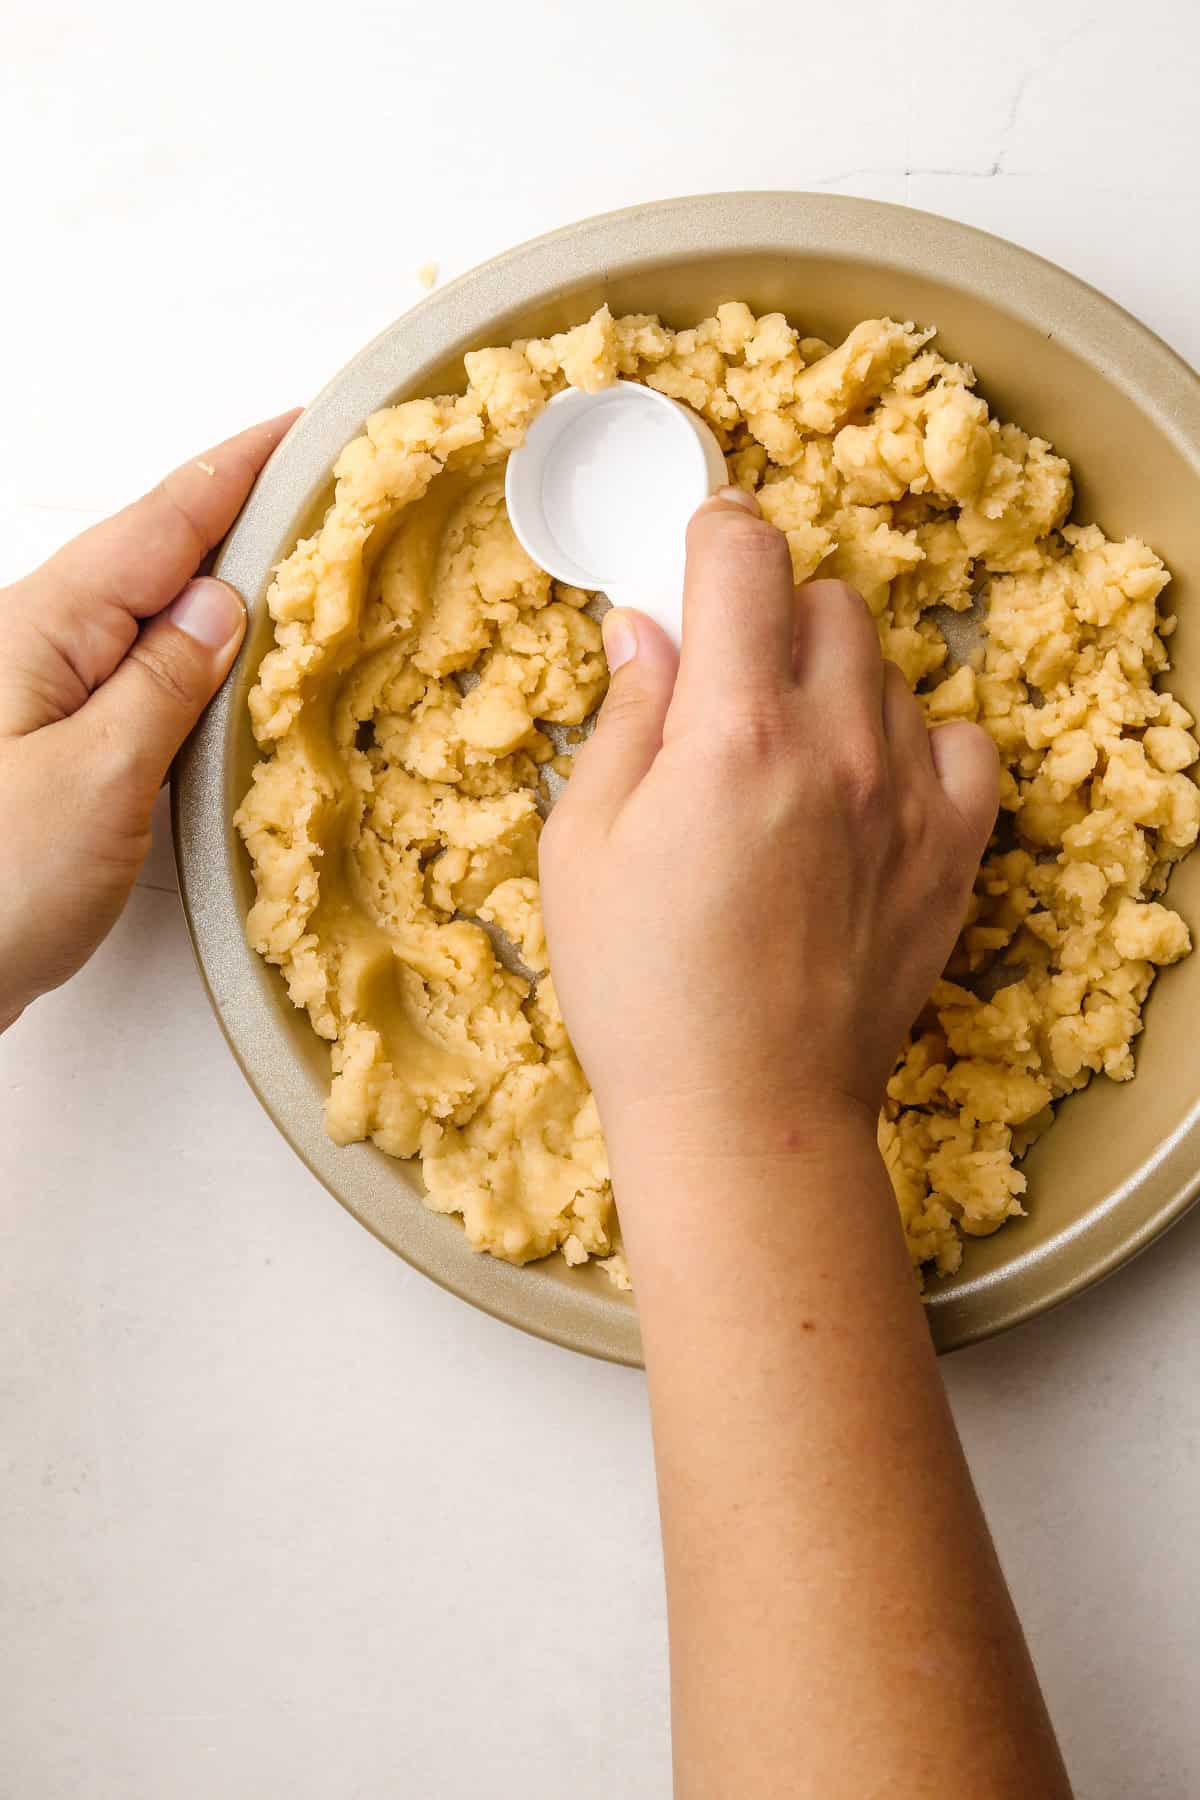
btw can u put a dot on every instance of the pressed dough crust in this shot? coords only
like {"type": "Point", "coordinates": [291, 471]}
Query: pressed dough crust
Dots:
{"type": "Point", "coordinates": [419, 655]}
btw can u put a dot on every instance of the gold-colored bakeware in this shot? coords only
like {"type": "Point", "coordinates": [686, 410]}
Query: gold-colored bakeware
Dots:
{"type": "Point", "coordinates": [1122, 1162]}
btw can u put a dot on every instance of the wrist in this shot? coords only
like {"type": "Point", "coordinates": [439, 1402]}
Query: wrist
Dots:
{"type": "Point", "coordinates": [791, 1125]}
{"type": "Point", "coordinates": [783, 1196]}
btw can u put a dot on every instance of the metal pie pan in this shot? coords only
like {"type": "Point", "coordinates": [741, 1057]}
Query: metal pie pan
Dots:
{"type": "Point", "coordinates": [1122, 1162]}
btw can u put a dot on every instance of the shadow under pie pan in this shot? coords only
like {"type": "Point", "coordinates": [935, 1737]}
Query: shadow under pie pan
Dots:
{"type": "Point", "coordinates": [1122, 1161]}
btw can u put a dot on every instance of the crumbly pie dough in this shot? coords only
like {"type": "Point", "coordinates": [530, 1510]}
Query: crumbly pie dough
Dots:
{"type": "Point", "coordinates": [419, 656]}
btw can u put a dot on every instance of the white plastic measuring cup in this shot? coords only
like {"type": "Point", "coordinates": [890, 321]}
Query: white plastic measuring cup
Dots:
{"type": "Point", "coordinates": [601, 491]}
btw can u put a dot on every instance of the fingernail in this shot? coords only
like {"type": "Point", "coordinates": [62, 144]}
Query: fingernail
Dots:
{"type": "Point", "coordinates": [208, 611]}
{"type": "Point", "coordinates": [736, 496]}
{"type": "Point", "coordinates": [620, 639]}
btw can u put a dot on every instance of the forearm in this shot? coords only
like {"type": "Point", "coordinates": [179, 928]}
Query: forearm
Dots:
{"type": "Point", "coordinates": [839, 1621]}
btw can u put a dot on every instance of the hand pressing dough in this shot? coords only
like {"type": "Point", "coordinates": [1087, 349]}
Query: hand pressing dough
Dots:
{"type": "Point", "coordinates": [419, 655]}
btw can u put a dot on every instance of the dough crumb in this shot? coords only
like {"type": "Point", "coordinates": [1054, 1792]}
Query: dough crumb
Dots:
{"type": "Point", "coordinates": [206, 468]}
{"type": "Point", "coordinates": [427, 274]}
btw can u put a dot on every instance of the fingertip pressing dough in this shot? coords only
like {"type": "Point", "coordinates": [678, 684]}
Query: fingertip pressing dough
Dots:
{"type": "Point", "coordinates": [426, 676]}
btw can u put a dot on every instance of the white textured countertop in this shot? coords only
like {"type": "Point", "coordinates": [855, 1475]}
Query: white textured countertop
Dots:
{"type": "Point", "coordinates": [278, 1518]}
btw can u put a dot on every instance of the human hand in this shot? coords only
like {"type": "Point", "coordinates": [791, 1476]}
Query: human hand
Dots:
{"type": "Point", "coordinates": [757, 871]}
{"type": "Point", "coordinates": [109, 653]}
{"type": "Point", "coordinates": [750, 884]}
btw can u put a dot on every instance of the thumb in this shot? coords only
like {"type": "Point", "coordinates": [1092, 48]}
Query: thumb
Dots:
{"type": "Point", "coordinates": [643, 664]}
{"type": "Point", "coordinates": [968, 769]}
{"type": "Point", "coordinates": [157, 692]}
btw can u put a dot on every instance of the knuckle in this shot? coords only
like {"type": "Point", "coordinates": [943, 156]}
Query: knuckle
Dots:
{"type": "Point", "coordinates": [173, 502]}
{"type": "Point", "coordinates": [738, 536]}
{"type": "Point", "coordinates": [840, 614]}
{"type": "Point", "coordinates": [863, 775]}
{"type": "Point", "coordinates": [119, 762]}
{"type": "Point", "coordinates": [166, 672]}
{"type": "Point", "coordinates": [756, 734]}
{"type": "Point", "coordinates": [623, 702]}
{"type": "Point", "coordinates": [913, 816]}
{"type": "Point", "coordinates": [830, 591]}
